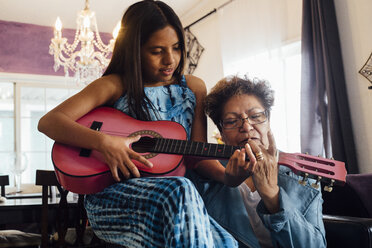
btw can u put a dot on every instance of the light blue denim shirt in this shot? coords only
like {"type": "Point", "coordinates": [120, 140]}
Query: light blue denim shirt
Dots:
{"type": "Point", "coordinates": [299, 223]}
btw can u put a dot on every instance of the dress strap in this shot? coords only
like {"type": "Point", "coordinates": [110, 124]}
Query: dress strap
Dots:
{"type": "Point", "coordinates": [183, 81]}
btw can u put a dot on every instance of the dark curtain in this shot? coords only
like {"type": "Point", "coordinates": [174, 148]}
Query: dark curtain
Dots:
{"type": "Point", "coordinates": [326, 127]}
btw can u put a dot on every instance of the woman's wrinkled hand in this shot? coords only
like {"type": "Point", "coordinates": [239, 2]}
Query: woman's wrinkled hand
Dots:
{"type": "Point", "coordinates": [265, 172]}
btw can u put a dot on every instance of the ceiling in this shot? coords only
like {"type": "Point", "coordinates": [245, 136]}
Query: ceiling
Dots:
{"type": "Point", "coordinates": [108, 12]}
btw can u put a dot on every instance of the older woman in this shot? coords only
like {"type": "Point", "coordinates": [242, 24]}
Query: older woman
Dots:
{"type": "Point", "coordinates": [268, 208]}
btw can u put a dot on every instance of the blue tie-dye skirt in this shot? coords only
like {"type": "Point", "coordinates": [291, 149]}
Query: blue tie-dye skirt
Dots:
{"type": "Point", "coordinates": [154, 212]}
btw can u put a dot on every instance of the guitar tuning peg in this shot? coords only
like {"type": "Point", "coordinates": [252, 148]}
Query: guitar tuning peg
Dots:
{"type": "Point", "coordinates": [316, 184]}
{"type": "Point", "coordinates": [303, 181]}
{"type": "Point", "coordinates": [329, 188]}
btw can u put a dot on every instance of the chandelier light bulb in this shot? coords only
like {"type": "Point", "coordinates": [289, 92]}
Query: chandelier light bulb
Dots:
{"type": "Point", "coordinates": [58, 25]}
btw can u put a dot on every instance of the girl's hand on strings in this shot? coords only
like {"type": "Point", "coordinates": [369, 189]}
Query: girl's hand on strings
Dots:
{"type": "Point", "coordinates": [118, 156]}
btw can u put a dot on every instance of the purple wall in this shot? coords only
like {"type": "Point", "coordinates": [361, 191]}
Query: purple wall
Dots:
{"type": "Point", "coordinates": [24, 48]}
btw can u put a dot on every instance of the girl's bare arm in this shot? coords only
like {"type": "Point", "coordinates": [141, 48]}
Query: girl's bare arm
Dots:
{"type": "Point", "coordinates": [59, 124]}
{"type": "Point", "coordinates": [208, 168]}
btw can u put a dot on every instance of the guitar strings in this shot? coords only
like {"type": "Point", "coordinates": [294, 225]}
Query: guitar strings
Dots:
{"type": "Point", "coordinates": [184, 145]}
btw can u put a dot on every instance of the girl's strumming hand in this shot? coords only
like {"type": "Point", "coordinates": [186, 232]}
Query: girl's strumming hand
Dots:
{"type": "Point", "coordinates": [118, 156]}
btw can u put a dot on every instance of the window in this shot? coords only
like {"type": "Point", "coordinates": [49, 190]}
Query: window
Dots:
{"type": "Point", "coordinates": [282, 68]}
{"type": "Point", "coordinates": [7, 137]}
{"type": "Point", "coordinates": [22, 104]}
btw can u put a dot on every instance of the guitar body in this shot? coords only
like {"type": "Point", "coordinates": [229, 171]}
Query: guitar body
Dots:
{"type": "Point", "coordinates": [85, 172]}
{"type": "Point", "coordinates": [164, 144]}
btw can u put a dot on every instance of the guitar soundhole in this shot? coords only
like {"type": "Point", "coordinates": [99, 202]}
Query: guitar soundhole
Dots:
{"type": "Point", "coordinates": [148, 133]}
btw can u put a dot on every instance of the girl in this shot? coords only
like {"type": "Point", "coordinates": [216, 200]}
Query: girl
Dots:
{"type": "Point", "coordinates": [144, 79]}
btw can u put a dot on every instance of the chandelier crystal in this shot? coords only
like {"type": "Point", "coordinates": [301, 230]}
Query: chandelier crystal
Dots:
{"type": "Point", "coordinates": [93, 57]}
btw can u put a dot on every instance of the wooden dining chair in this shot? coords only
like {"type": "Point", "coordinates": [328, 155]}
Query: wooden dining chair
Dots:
{"type": "Point", "coordinates": [47, 179]}
{"type": "Point", "coordinates": [70, 216]}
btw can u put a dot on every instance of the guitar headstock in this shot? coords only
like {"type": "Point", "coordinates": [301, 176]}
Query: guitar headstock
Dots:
{"type": "Point", "coordinates": [322, 169]}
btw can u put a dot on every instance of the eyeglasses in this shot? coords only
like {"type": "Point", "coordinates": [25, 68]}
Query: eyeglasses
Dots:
{"type": "Point", "coordinates": [254, 119]}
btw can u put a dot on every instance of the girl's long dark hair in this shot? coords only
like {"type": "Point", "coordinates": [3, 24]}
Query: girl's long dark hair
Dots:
{"type": "Point", "coordinates": [139, 22]}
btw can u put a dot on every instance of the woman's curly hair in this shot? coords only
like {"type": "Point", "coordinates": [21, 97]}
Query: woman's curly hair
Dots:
{"type": "Point", "coordinates": [231, 86]}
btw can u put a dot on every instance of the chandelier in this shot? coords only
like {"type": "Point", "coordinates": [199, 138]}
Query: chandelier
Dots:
{"type": "Point", "coordinates": [92, 58]}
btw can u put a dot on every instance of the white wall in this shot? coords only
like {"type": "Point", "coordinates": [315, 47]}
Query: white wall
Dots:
{"type": "Point", "coordinates": [354, 20]}
{"type": "Point", "coordinates": [207, 31]}
{"type": "Point", "coordinates": [210, 64]}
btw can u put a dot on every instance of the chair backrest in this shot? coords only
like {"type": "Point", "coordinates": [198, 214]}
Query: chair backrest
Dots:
{"type": "Point", "coordinates": [46, 177]}
{"type": "Point", "coordinates": [4, 181]}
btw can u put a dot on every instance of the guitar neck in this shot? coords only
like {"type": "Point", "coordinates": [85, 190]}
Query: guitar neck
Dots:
{"type": "Point", "coordinates": [301, 164]}
{"type": "Point", "coordinates": [193, 148]}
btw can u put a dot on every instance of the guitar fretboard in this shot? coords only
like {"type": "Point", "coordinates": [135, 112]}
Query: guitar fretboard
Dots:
{"type": "Point", "coordinates": [193, 148]}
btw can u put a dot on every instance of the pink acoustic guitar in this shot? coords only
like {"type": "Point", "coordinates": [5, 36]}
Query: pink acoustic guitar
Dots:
{"type": "Point", "coordinates": [164, 144]}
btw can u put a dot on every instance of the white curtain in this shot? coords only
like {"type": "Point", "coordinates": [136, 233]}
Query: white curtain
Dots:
{"type": "Point", "coordinates": [261, 38]}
